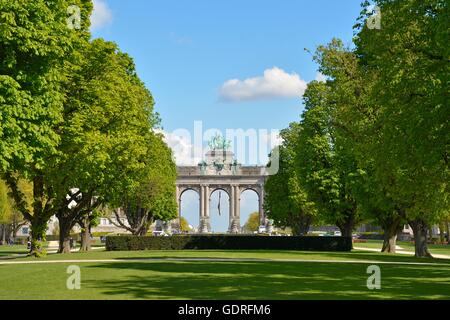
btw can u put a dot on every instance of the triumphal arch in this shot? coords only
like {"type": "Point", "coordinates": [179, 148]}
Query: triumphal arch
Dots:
{"type": "Point", "coordinates": [220, 171]}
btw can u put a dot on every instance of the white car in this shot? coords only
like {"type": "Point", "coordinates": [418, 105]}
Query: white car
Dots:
{"type": "Point", "coordinates": [338, 234]}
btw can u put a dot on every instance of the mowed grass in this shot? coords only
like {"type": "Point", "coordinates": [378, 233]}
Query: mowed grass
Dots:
{"type": "Point", "coordinates": [7, 250]}
{"type": "Point", "coordinates": [134, 275]}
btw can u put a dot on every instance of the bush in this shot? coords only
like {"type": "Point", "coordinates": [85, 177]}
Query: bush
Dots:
{"type": "Point", "coordinates": [227, 242]}
{"type": "Point", "coordinates": [371, 235]}
{"type": "Point", "coordinates": [100, 234]}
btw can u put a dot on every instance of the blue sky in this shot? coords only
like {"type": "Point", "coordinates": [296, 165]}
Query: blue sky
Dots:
{"type": "Point", "coordinates": [186, 51]}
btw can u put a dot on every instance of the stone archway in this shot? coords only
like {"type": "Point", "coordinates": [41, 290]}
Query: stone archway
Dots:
{"type": "Point", "coordinates": [219, 170]}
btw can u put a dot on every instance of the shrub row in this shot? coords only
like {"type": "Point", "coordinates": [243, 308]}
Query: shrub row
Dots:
{"type": "Point", "coordinates": [227, 242]}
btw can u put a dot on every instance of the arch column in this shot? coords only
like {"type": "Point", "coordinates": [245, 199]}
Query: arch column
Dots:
{"type": "Point", "coordinates": [206, 208]}
{"type": "Point", "coordinates": [231, 210]}
{"type": "Point", "coordinates": [178, 220]}
{"type": "Point", "coordinates": [235, 223]}
{"type": "Point", "coordinates": [262, 216]}
{"type": "Point", "coordinates": [205, 225]}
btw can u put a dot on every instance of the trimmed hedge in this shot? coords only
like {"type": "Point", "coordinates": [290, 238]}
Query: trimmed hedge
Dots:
{"type": "Point", "coordinates": [227, 242]}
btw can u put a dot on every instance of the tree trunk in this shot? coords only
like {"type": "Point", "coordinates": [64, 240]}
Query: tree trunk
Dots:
{"type": "Point", "coordinates": [430, 234]}
{"type": "Point", "coordinates": [3, 233]}
{"type": "Point", "coordinates": [86, 235]}
{"type": "Point", "coordinates": [39, 220]}
{"type": "Point", "coordinates": [347, 231]}
{"type": "Point", "coordinates": [14, 234]}
{"type": "Point", "coordinates": [300, 225]}
{"type": "Point", "coordinates": [142, 231]}
{"type": "Point", "coordinates": [38, 231]}
{"type": "Point", "coordinates": [9, 230]}
{"type": "Point", "coordinates": [420, 230]}
{"type": "Point", "coordinates": [85, 241]}
{"type": "Point", "coordinates": [389, 243]}
{"type": "Point", "coordinates": [347, 227]}
{"type": "Point", "coordinates": [448, 231]}
{"type": "Point", "coordinates": [441, 231]}
{"type": "Point", "coordinates": [391, 230]}
{"type": "Point", "coordinates": [64, 235]}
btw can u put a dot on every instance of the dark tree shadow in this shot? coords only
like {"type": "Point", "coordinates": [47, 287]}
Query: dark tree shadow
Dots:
{"type": "Point", "coordinates": [303, 255]}
{"type": "Point", "coordinates": [270, 280]}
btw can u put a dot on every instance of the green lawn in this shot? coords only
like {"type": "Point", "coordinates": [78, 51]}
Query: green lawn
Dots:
{"type": "Point", "coordinates": [6, 250]}
{"type": "Point", "coordinates": [133, 275]}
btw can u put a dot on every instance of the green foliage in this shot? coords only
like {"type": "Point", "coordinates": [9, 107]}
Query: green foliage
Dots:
{"type": "Point", "coordinates": [327, 170]}
{"type": "Point", "coordinates": [286, 201]}
{"type": "Point", "coordinates": [107, 141]}
{"type": "Point", "coordinates": [8, 210]}
{"type": "Point", "coordinates": [5, 204]}
{"type": "Point", "coordinates": [108, 114]}
{"type": "Point", "coordinates": [252, 223]}
{"type": "Point", "coordinates": [152, 196]}
{"type": "Point", "coordinates": [228, 242]}
{"type": "Point", "coordinates": [35, 45]}
{"type": "Point", "coordinates": [410, 58]}
{"type": "Point", "coordinates": [184, 225]}
{"type": "Point", "coordinates": [75, 116]}
{"type": "Point", "coordinates": [34, 41]}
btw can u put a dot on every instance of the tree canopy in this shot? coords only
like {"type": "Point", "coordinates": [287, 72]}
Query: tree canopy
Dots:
{"type": "Point", "coordinates": [285, 200]}
{"type": "Point", "coordinates": [77, 122]}
{"type": "Point", "coordinates": [252, 223]}
{"type": "Point", "coordinates": [373, 141]}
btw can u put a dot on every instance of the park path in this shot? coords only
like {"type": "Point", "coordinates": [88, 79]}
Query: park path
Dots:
{"type": "Point", "coordinates": [220, 260]}
{"type": "Point", "coordinates": [409, 253]}
{"type": "Point", "coordinates": [50, 250]}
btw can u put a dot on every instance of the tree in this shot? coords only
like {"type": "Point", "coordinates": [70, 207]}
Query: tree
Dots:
{"type": "Point", "coordinates": [286, 201]}
{"type": "Point", "coordinates": [87, 222]}
{"type": "Point", "coordinates": [35, 41]}
{"type": "Point", "coordinates": [184, 225]}
{"type": "Point", "coordinates": [252, 223]}
{"type": "Point", "coordinates": [352, 117]}
{"type": "Point", "coordinates": [327, 170]}
{"type": "Point", "coordinates": [5, 210]}
{"type": "Point", "coordinates": [153, 197]}
{"type": "Point", "coordinates": [108, 117]}
{"type": "Point", "coordinates": [409, 55]}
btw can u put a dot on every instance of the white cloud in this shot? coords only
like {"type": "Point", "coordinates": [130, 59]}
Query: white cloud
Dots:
{"type": "Point", "coordinates": [320, 77]}
{"type": "Point", "coordinates": [183, 149]}
{"type": "Point", "coordinates": [275, 83]}
{"type": "Point", "coordinates": [101, 16]}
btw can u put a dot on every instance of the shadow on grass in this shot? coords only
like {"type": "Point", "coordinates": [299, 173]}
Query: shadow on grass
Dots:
{"type": "Point", "coordinates": [268, 280]}
{"type": "Point", "coordinates": [302, 255]}
{"type": "Point", "coordinates": [13, 254]}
